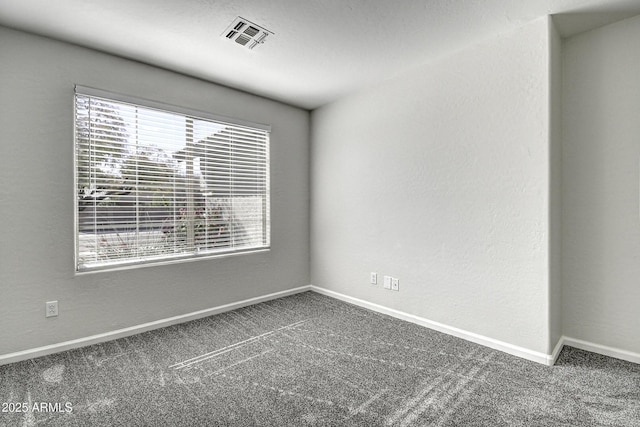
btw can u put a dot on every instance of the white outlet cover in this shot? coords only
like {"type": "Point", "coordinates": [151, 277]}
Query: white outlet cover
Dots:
{"type": "Point", "coordinates": [374, 278]}
{"type": "Point", "coordinates": [395, 284]}
{"type": "Point", "coordinates": [387, 282]}
{"type": "Point", "coordinates": [51, 309]}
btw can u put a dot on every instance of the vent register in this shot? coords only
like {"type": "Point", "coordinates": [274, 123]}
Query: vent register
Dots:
{"type": "Point", "coordinates": [246, 33]}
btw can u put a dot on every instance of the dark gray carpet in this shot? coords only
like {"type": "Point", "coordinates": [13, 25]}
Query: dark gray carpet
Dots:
{"type": "Point", "coordinates": [312, 360]}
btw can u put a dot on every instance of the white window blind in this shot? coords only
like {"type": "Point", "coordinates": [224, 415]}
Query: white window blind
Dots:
{"type": "Point", "coordinates": [157, 183]}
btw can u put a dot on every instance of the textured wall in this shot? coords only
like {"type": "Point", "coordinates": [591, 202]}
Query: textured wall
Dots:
{"type": "Point", "coordinates": [555, 188]}
{"type": "Point", "coordinates": [37, 78]}
{"type": "Point", "coordinates": [441, 178]}
{"type": "Point", "coordinates": [601, 226]}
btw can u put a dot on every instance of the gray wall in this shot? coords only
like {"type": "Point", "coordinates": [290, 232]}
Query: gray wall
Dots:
{"type": "Point", "coordinates": [601, 237]}
{"type": "Point", "coordinates": [555, 189]}
{"type": "Point", "coordinates": [37, 77]}
{"type": "Point", "coordinates": [441, 177]}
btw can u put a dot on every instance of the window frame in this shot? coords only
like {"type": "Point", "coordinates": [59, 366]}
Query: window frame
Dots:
{"type": "Point", "coordinates": [189, 114]}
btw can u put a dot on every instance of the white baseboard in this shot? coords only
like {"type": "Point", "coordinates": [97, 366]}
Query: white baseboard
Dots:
{"type": "Point", "coordinates": [556, 351]}
{"type": "Point", "coordinates": [525, 353]}
{"type": "Point", "coordinates": [629, 356]}
{"type": "Point", "coordinates": [546, 359]}
{"type": "Point", "coordinates": [133, 330]}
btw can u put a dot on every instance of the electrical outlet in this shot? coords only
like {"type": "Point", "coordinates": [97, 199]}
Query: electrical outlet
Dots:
{"type": "Point", "coordinates": [387, 282]}
{"type": "Point", "coordinates": [374, 278]}
{"type": "Point", "coordinates": [395, 284]}
{"type": "Point", "coordinates": [51, 308]}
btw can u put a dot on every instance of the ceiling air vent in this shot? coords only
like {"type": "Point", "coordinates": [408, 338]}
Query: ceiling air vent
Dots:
{"type": "Point", "coordinates": [246, 33]}
{"type": "Point", "coordinates": [242, 39]}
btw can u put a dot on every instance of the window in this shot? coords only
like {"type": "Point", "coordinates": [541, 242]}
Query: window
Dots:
{"type": "Point", "coordinates": [157, 183]}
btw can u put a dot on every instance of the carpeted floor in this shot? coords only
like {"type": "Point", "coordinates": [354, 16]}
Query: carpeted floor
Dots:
{"type": "Point", "coordinates": [312, 360]}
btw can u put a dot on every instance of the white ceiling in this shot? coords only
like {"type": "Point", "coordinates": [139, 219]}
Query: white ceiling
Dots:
{"type": "Point", "coordinates": [321, 49]}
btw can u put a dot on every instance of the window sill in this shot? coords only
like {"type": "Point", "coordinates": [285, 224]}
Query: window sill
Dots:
{"type": "Point", "coordinates": [178, 260]}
